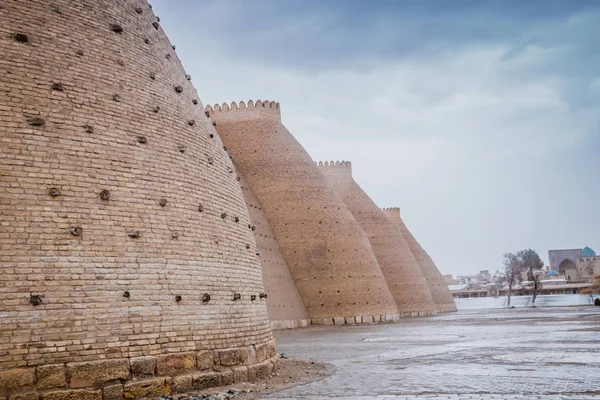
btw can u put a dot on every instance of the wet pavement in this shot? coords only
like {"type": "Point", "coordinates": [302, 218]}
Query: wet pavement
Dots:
{"type": "Point", "coordinates": [544, 353]}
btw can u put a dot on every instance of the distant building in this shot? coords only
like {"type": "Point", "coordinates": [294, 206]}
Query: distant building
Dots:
{"type": "Point", "coordinates": [449, 279]}
{"type": "Point", "coordinates": [484, 276]}
{"type": "Point", "coordinates": [481, 278]}
{"type": "Point", "coordinates": [575, 264]}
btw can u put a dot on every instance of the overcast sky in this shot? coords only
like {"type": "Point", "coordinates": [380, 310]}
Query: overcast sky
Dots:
{"type": "Point", "coordinates": [479, 119]}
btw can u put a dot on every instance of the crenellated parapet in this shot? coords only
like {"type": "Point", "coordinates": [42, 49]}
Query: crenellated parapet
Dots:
{"type": "Point", "coordinates": [339, 168]}
{"type": "Point", "coordinates": [242, 111]}
{"type": "Point", "coordinates": [391, 210]}
{"type": "Point", "coordinates": [335, 164]}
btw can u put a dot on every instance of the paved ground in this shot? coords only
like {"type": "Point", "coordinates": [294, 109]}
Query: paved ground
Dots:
{"type": "Point", "coordinates": [551, 353]}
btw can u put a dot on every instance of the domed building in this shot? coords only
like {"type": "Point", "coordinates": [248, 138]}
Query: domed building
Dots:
{"type": "Point", "coordinates": [589, 263]}
{"type": "Point", "coordinates": [575, 264]}
{"type": "Point", "coordinates": [588, 252]}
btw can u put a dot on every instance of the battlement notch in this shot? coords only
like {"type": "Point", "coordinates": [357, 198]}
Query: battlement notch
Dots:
{"type": "Point", "coordinates": [338, 168]}
{"type": "Point", "coordinates": [391, 210]}
{"type": "Point", "coordinates": [242, 111]}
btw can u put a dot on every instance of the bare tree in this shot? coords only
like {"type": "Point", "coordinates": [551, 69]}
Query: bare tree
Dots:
{"type": "Point", "coordinates": [532, 264]}
{"type": "Point", "coordinates": [512, 272]}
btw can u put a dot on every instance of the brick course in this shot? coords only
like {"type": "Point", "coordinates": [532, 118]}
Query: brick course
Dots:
{"type": "Point", "coordinates": [284, 304]}
{"type": "Point", "coordinates": [119, 207]}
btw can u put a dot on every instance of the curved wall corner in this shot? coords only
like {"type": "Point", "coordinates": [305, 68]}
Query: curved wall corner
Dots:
{"type": "Point", "coordinates": [400, 269]}
{"type": "Point", "coordinates": [124, 232]}
{"type": "Point", "coordinates": [284, 304]}
{"type": "Point", "coordinates": [330, 258]}
{"type": "Point", "coordinates": [437, 286]}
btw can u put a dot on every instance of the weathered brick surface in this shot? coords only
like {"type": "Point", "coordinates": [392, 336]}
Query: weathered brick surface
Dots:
{"type": "Point", "coordinates": [437, 286]}
{"type": "Point", "coordinates": [83, 145]}
{"type": "Point", "coordinates": [326, 252]}
{"type": "Point", "coordinates": [401, 271]}
{"type": "Point", "coordinates": [284, 303]}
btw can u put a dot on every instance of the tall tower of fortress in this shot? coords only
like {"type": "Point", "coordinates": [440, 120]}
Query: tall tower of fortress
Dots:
{"type": "Point", "coordinates": [437, 286]}
{"type": "Point", "coordinates": [284, 305]}
{"type": "Point", "coordinates": [327, 253]}
{"type": "Point", "coordinates": [402, 273]}
{"type": "Point", "coordinates": [128, 269]}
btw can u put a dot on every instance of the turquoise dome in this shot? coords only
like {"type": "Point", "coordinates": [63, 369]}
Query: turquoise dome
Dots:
{"type": "Point", "coordinates": [553, 273]}
{"type": "Point", "coordinates": [587, 252]}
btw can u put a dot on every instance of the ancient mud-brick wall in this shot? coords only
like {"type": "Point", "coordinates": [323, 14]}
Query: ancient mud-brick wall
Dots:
{"type": "Point", "coordinates": [400, 269]}
{"type": "Point", "coordinates": [437, 286]}
{"type": "Point", "coordinates": [329, 256]}
{"type": "Point", "coordinates": [125, 240]}
{"type": "Point", "coordinates": [284, 304]}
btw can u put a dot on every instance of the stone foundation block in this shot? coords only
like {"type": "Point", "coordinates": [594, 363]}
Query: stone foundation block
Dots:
{"type": "Point", "coordinates": [272, 344]}
{"type": "Point", "coordinates": [367, 319]}
{"type": "Point", "coordinates": [205, 380]}
{"type": "Point", "coordinates": [275, 364]}
{"type": "Point", "coordinates": [142, 367]}
{"type": "Point", "coordinates": [27, 395]}
{"type": "Point", "coordinates": [240, 374]}
{"type": "Point", "coordinates": [86, 374]}
{"type": "Point", "coordinates": [339, 321]}
{"type": "Point", "coordinates": [251, 359]}
{"type": "Point", "coordinates": [205, 360]}
{"type": "Point", "coordinates": [74, 394]}
{"type": "Point", "coordinates": [316, 321]}
{"type": "Point", "coordinates": [51, 376]}
{"type": "Point", "coordinates": [175, 364]}
{"type": "Point", "coordinates": [262, 351]}
{"type": "Point", "coordinates": [151, 388]}
{"type": "Point", "coordinates": [112, 392]}
{"type": "Point", "coordinates": [350, 320]}
{"type": "Point", "coordinates": [227, 377]}
{"type": "Point", "coordinates": [259, 371]}
{"type": "Point", "coordinates": [15, 378]}
{"type": "Point", "coordinates": [181, 384]}
{"type": "Point", "coordinates": [328, 321]}
{"type": "Point", "coordinates": [231, 357]}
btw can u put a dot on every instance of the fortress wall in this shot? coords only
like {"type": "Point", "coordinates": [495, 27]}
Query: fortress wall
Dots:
{"type": "Point", "coordinates": [437, 286]}
{"type": "Point", "coordinates": [330, 258]}
{"type": "Point", "coordinates": [119, 210]}
{"type": "Point", "coordinates": [284, 304]}
{"type": "Point", "coordinates": [400, 269]}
